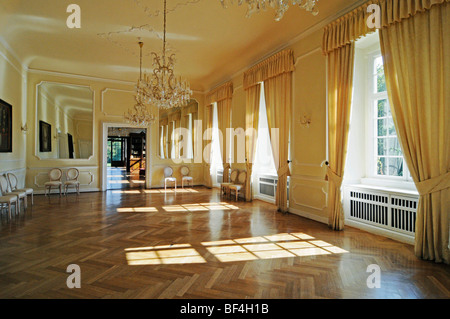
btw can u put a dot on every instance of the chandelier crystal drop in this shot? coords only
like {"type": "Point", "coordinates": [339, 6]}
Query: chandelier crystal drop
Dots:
{"type": "Point", "coordinates": [162, 88]}
{"type": "Point", "coordinates": [280, 6]}
{"type": "Point", "coordinates": [139, 115]}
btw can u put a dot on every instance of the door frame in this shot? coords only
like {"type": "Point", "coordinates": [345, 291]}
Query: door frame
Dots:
{"type": "Point", "coordinates": [104, 157]}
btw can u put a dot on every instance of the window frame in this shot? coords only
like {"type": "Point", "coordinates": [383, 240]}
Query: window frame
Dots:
{"type": "Point", "coordinates": [372, 137]}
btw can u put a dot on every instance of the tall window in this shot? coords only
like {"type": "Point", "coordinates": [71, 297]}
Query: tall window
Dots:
{"type": "Point", "coordinates": [216, 168]}
{"type": "Point", "coordinates": [264, 174]}
{"type": "Point", "coordinates": [387, 155]}
{"type": "Point", "coordinates": [190, 143]}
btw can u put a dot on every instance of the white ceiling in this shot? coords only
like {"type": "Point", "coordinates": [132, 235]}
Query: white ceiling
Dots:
{"type": "Point", "coordinates": [211, 43]}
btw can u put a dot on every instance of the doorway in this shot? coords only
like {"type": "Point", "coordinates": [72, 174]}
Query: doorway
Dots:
{"type": "Point", "coordinates": [126, 162]}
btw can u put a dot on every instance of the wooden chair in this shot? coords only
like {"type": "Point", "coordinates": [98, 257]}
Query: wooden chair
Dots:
{"type": "Point", "coordinates": [55, 176]}
{"type": "Point", "coordinates": [224, 187]}
{"type": "Point", "coordinates": [72, 180]}
{"type": "Point", "coordinates": [168, 178]}
{"type": "Point", "coordinates": [6, 191]}
{"type": "Point", "coordinates": [239, 187]}
{"type": "Point", "coordinates": [185, 177]}
{"type": "Point", "coordinates": [9, 200]}
{"type": "Point", "coordinates": [13, 182]}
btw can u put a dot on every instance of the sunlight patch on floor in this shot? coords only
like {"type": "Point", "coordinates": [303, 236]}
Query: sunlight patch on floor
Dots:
{"type": "Point", "coordinates": [163, 255]}
{"type": "Point", "coordinates": [200, 207]}
{"type": "Point", "coordinates": [284, 245]}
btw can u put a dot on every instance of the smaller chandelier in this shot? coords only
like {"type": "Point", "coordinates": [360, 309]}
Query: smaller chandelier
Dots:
{"type": "Point", "coordinates": [139, 114]}
{"type": "Point", "coordinates": [162, 88]}
{"type": "Point", "coordinates": [280, 6]}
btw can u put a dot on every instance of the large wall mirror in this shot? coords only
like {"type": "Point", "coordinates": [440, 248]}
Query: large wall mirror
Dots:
{"type": "Point", "coordinates": [64, 121]}
{"type": "Point", "coordinates": [173, 142]}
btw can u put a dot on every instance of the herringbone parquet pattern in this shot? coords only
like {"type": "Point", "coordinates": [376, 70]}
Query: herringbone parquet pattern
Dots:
{"type": "Point", "coordinates": [193, 244]}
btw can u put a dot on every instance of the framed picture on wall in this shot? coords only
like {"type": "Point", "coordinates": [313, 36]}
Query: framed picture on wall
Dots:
{"type": "Point", "coordinates": [5, 127]}
{"type": "Point", "coordinates": [45, 137]}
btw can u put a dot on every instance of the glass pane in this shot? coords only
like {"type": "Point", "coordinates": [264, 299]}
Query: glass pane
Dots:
{"type": "Point", "coordinates": [381, 128]}
{"type": "Point", "coordinates": [109, 153]}
{"type": "Point", "coordinates": [117, 151]}
{"type": "Point", "coordinates": [379, 75]}
{"type": "Point", "coordinates": [391, 127]}
{"type": "Point", "coordinates": [382, 148]}
{"type": "Point", "coordinates": [382, 108]}
{"type": "Point", "coordinates": [394, 148]}
{"type": "Point", "coordinates": [381, 166]}
{"type": "Point", "coordinates": [395, 166]}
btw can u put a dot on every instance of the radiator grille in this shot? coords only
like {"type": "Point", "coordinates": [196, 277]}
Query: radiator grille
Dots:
{"type": "Point", "coordinates": [384, 210]}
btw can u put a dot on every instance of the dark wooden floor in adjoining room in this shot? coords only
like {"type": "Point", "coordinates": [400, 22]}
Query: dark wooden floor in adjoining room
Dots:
{"type": "Point", "coordinates": [193, 244]}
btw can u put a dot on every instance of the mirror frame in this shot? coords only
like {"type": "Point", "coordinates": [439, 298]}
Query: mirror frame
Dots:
{"type": "Point", "coordinates": [36, 124]}
{"type": "Point", "coordinates": [158, 150]}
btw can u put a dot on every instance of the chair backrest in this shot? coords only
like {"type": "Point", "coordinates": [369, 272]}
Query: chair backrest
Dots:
{"type": "Point", "coordinates": [184, 171]}
{"type": "Point", "coordinates": [3, 184]}
{"type": "Point", "coordinates": [72, 174]}
{"type": "Point", "coordinates": [12, 181]}
{"type": "Point", "coordinates": [55, 174]}
{"type": "Point", "coordinates": [242, 177]}
{"type": "Point", "coordinates": [234, 175]}
{"type": "Point", "coordinates": [168, 171]}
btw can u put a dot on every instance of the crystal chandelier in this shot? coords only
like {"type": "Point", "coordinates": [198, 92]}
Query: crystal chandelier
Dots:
{"type": "Point", "coordinates": [162, 88]}
{"type": "Point", "coordinates": [139, 114]}
{"type": "Point", "coordinates": [280, 6]}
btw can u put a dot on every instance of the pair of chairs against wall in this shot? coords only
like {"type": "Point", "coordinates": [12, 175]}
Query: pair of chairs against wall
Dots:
{"type": "Point", "coordinates": [185, 179]}
{"type": "Point", "coordinates": [10, 194]}
{"type": "Point", "coordinates": [236, 184]}
{"type": "Point", "coordinates": [55, 176]}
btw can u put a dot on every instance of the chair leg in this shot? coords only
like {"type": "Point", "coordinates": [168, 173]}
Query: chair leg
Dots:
{"type": "Point", "coordinates": [25, 201]}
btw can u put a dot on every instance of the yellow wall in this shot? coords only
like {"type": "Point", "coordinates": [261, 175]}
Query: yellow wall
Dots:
{"type": "Point", "coordinates": [111, 100]}
{"type": "Point", "coordinates": [12, 82]}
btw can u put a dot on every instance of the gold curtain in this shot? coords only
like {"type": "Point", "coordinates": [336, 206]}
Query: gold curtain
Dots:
{"type": "Point", "coordinates": [416, 55]}
{"type": "Point", "coordinates": [278, 102]}
{"type": "Point", "coordinates": [282, 62]}
{"type": "Point", "coordinates": [340, 85]}
{"type": "Point", "coordinates": [223, 96]}
{"type": "Point", "coordinates": [353, 25]}
{"type": "Point", "coordinates": [251, 125]}
{"type": "Point", "coordinates": [276, 72]}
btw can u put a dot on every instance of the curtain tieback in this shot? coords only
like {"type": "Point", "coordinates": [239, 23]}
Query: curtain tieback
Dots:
{"type": "Point", "coordinates": [434, 185]}
{"type": "Point", "coordinates": [333, 177]}
{"type": "Point", "coordinates": [284, 171]}
{"type": "Point", "coordinates": [226, 166]}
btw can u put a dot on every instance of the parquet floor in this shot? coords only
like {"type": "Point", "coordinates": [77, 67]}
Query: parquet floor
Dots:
{"type": "Point", "coordinates": [193, 244]}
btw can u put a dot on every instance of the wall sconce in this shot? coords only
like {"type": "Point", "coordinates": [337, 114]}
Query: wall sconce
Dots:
{"type": "Point", "coordinates": [305, 121]}
{"type": "Point", "coordinates": [24, 128]}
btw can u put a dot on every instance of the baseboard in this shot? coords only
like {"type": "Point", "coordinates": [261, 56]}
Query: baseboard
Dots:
{"type": "Point", "coordinates": [70, 191]}
{"type": "Point", "coordinates": [381, 232]}
{"type": "Point", "coordinates": [314, 217]}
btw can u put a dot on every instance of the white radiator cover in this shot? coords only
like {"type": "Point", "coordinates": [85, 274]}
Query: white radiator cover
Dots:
{"type": "Point", "coordinates": [387, 212]}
